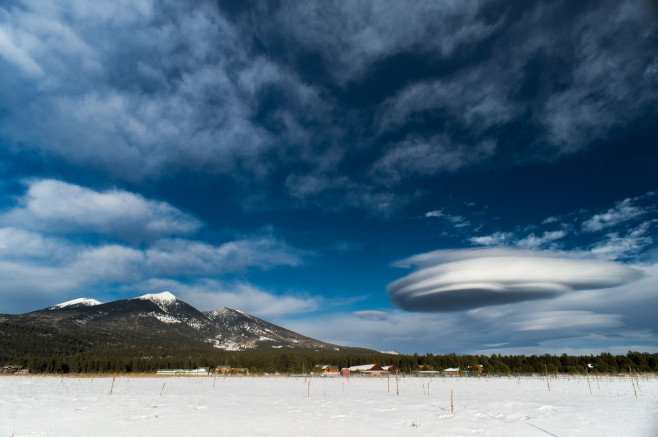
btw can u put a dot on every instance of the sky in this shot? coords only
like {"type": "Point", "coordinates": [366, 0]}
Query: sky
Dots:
{"type": "Point", "coordinates": [427, 176]}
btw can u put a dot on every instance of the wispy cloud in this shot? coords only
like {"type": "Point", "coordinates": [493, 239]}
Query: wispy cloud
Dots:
{"type": "Point", "coordinates": [457, 221]}
{"type": "Point", "coordinates": [353, 36]}
{"type": "Point", "coordinates": [629, 244]}
{"type": "Point", "coordinates": [419, 156]}
{"type": "Point", "coordinates": [629, 224]}
{"type": "Point", "coordinates": [495, 239]}
{"type": "Point", "coordinates": [534, 242]}
{"type": "Point", "coordinates": [622, 212]}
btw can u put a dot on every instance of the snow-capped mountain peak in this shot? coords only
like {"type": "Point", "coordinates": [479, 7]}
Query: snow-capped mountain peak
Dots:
{"type": "Point", "coordinates": [81, 301]}
{"type": "Point", "coordinates": [162, 300]}
{"type": "Point", "coordinates": [164, 297]}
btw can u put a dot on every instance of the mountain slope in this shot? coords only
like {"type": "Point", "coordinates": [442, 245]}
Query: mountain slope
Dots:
{"type": "Point", "coordinates": [243, 331]}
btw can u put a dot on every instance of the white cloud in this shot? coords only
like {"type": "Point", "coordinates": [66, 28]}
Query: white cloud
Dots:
{"type": "Point", "coordinates": [534, 242]}
{"type": "Point", "coordinates": [55, 206]}
{"type": "Point", "coordinates": [459, 280]}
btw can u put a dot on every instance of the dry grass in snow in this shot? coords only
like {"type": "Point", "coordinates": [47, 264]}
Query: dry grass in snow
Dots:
{"type": "Point", "coordinates": [266, 406]}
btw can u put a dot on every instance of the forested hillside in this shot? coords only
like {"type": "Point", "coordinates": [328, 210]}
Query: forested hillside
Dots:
{"type": "Point", "coordinates": [47, 350]}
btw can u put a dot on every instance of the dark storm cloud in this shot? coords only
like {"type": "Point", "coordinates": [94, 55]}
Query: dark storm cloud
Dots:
{"type": "Point", "coordinates": [467, 279]}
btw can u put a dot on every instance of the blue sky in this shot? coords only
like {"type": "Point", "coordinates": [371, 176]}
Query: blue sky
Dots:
{"type": "Point", "coordinates": [470, 177]}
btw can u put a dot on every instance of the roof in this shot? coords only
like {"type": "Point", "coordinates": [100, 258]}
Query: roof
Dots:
{"type": "Point", "coordinates": [365, 367]}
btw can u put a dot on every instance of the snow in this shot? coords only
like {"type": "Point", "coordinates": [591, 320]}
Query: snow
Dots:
{"type": "Point", "coordinates": [228, 345]}
{"type": "Point", "coordinates": [195, 323]}
{"type": "Point", "coordinates": [165, 318]}
{"type": "Point", "coordinates": [165, 297]}
{"type": "Point", "coordinates": [79, 301]}
{"type": "Point", "coordinates": [162, 300]}
{"type": "Point", "coordinates": [298, 406]}
{"type": "Point", "coordinates": [361, 368]}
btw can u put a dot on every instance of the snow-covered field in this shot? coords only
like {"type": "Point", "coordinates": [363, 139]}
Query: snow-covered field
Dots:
{"type": "Point", "coordinates": [271, 406]}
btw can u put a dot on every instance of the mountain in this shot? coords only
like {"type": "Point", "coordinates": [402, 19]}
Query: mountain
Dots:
{"type": "Point", "coordinates": [164, 321]}
{"type": "Point", "coordinates": [244, 331]}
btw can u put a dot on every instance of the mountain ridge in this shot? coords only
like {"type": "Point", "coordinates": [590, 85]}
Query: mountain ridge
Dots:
{"type": "Point", "coordinates": [163, 320]}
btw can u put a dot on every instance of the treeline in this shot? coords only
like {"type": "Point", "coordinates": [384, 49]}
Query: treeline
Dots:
{"type": "Point", "coordinates": [48, 350]}
{"type": "Point", "coordinates": [132, 361]}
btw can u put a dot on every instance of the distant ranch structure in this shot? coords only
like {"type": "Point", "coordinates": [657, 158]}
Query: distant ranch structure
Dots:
{"type": "Point", "coordinates": [326, 370]}
{"type": "Point", "coordinates": [201, 371]}
{"type": "Point", "coordinates": [368, 370]}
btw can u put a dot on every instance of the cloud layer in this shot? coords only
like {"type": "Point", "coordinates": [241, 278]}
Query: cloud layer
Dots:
{"type": "Point", "coordinates": [462, 280]}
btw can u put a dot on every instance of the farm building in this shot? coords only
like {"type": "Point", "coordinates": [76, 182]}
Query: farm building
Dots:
{"type": "Point", "coordinates": [325, 369]}
{"type": "Point", "coordinates": [201, 371]}
{"type": "Point", "coordinates": [12, 368]}
{"type": "Point", "coordinates": [228, 370]}
{"type": "Point", "coordinates": [391, 369]}
{"type": "Point", "coordinates": [364, 369]}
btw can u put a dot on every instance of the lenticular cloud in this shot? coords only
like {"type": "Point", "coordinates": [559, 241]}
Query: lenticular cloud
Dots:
{"type": "Point", "coordinates": [456, 280]}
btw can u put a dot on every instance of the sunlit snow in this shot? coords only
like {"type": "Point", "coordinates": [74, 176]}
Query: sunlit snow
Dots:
{"type": "Point", "coordinates": [79, 301]}
{"type": "Point", "coordinates": [299, 406]}
{"type": "Point", "coordinates": [164, 318]}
